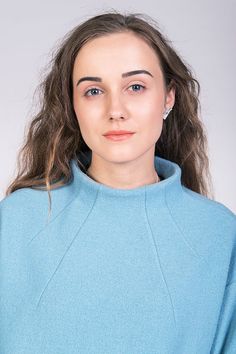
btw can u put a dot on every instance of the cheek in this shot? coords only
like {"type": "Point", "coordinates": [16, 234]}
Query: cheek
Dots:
{"type": "Point", "coordinates": [88, 120]}
{"type": "Point", "coordinates": [85, 109]}
{"type": "Point", "coordinates": [84, 115]}
{"type": "Point", "coordinates": [150, 105]}
{"type": "Point", "coordinates": [81, 113]}
{"type": "Point", "coordinates": [86, 126]}
{"type": "Point", "coordinates": [153, 127]}
{"type": "Point", "coordinates": [151, 119]}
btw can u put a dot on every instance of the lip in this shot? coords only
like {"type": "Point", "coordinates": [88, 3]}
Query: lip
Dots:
{"type": "Point", "coordinates": [118, 137]}
{"type": "Point", "coordinates": [118, 132]}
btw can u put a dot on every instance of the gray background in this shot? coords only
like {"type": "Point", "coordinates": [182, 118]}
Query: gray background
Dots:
{"type": "Point", "coordinates": [203, 33]}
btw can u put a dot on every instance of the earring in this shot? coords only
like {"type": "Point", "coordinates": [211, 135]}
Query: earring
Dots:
{"type": "Point", "coordinates": [166, 113]}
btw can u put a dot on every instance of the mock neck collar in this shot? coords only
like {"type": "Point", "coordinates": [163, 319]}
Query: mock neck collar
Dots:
{"type": "Point", "coordinates": [168, 170]}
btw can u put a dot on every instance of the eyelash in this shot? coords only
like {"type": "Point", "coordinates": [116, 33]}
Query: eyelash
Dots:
{"type": "Point", "coordinates": [95, 88]}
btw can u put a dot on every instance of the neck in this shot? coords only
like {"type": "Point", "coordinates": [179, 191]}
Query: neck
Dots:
{"type": "Point", "coordinates": [169, 187]}
{"type": "Point", "coordinates": [123, 177]}
{"type": "Point", "coordinates": [155, 179]}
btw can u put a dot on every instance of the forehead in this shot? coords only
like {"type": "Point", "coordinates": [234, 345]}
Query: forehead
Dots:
{"type": "Point", "coordinates": [119, 51]}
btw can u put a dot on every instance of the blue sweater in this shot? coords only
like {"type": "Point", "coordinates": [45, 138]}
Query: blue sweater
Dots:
{"type": "Point", "coordinates": [138, 271]}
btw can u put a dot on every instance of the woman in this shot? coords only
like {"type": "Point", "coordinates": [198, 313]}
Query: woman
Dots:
{"type": "Point", "coordinates": [132, 255]}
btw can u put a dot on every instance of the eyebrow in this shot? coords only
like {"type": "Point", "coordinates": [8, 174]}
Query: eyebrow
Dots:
{"type": "Point", "coordinates": [129, 73]}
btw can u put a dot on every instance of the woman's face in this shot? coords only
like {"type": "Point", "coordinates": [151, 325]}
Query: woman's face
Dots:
{"type": "Point", "coordinates": [110, 99]}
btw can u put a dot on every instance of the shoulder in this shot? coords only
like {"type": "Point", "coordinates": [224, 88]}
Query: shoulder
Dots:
{"type": "Point", "coordinates": [207, 224]}
{"type": "Point", "coordinates": [23, 204]}
{"type": "Point", "coordinates": [208, 227]}
{"type": "Point", "coordinates": [23, 212]}
{"type": "Point", "coordinates": [208, 209]}
{"type": "Point", "coordinates": [26, 210]}
{"type": "Point", "coordinates": [33, 200]}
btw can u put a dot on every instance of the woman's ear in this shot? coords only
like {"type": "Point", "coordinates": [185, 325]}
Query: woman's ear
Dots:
{"type": "Point", "coordinates": [170, 96]}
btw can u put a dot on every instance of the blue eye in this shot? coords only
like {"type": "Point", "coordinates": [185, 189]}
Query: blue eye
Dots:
{"type": "Point", "coordinates": [91, 90]}
{"type": "Point", "coordinates": [137, 85]}
{"type": "Point", "coordinates": [94, 89]}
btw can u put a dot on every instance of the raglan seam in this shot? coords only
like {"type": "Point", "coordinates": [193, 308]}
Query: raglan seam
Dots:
{"type": "Point", "coordinates": [180, 230]}
{"type": "Point", "coordinates": [159, 261]}
{"type": "Point", "coordinates": [55, 217]}
{"type": "Point", "coordinates": [67, 249]}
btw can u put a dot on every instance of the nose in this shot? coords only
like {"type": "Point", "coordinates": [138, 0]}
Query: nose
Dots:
{"type": "Point", "coordinates": [116, 108]}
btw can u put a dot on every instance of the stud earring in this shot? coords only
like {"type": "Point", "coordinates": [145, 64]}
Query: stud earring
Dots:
{"type": "Point", "coordinates": [165, 114]}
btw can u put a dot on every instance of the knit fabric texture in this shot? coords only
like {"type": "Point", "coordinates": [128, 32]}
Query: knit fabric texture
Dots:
{"type": "Point", "coordinates": [117, 271]}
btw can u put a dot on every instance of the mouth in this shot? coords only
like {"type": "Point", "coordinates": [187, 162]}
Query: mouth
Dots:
{"type": "Point", "coordinates": [118, 137]}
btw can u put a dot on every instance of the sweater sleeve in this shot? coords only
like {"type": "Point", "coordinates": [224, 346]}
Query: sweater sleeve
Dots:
{"type": "Point", "coordinates": [225, 340]}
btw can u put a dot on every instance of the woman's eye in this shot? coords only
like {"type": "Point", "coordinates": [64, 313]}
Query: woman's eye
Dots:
{"type": "Point", "coordinates": [92, 90]}
{"type": "Point", "coordinates": [137, 87]}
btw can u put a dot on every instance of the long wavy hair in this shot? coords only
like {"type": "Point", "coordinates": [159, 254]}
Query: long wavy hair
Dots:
{"type": "Point", "coordinates": [53, 137]}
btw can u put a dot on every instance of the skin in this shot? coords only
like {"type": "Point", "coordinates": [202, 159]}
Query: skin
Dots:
{"type": "Point", "coordinates": [120, 103]}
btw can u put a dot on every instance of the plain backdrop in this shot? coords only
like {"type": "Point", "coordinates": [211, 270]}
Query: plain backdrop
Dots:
{"type": "Point", "coordinates": [203, 33]}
